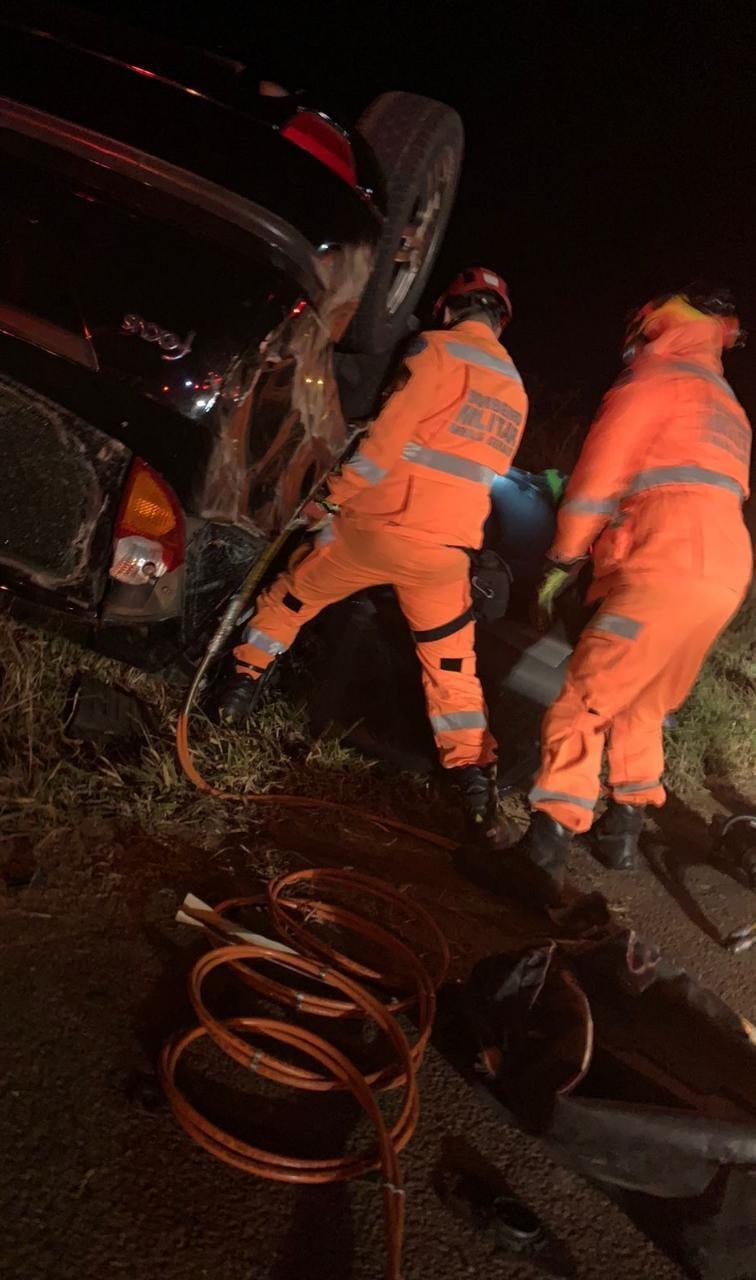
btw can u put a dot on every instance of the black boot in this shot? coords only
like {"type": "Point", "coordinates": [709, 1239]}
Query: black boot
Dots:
{"type": "Point", "coordinates": [531, 870]}
{"type": "Point", "coordinates": [615, 836]}
{"type": "Point", "coordinates": [485, 827]}
{"type": "Point", "coordinates": [238, 700]}
{"type": "Point", "coordinates": [475, 787]}
{"type": "Point", "coordinates": [542, 854]}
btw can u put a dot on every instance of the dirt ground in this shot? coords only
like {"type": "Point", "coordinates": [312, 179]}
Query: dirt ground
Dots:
{"type": "Point", "coordinates": [97, 1179]}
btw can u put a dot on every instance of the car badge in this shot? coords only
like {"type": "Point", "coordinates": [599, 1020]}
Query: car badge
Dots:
{"type": "Point", "coordinates": [172, 346]}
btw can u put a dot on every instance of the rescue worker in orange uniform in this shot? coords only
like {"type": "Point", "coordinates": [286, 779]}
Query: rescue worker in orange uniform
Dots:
{"type": "Point", "coordinates": [656, 499]}
{"type": "Point", "coordinates": [405, 507]}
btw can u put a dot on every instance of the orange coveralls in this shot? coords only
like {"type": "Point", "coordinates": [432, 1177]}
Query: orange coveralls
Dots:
{"type": "Point", "coordinates": [415, 493]}
{"type": "Point", "coordinates": [657, 493]}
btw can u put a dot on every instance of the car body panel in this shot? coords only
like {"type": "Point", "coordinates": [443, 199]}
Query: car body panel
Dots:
{"type": "Point", "coordinates": [173, 275]}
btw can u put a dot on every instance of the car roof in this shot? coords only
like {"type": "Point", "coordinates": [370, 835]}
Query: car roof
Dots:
{"type": "Point", "coordinates": [113, 40]}
{"type": "Point", "coordinates": [152, 114]}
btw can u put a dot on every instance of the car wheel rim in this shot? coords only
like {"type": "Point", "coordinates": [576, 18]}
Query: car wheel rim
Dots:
{"type": "Point", "coordinates": [422, 232]}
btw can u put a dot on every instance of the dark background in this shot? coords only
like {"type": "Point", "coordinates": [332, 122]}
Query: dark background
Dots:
{"type": "Point", "coordinates": [610, 148]}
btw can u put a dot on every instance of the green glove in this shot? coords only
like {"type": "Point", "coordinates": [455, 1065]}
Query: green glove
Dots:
{"type": "Point", "coordinates": [557, 482]}
{"type": "Point", "coordinates": [554, 579]}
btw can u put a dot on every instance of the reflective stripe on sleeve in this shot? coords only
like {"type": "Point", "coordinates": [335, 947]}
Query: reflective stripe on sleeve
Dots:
{"type": "Point", "coordinates": [590, 506]}
{"type": "Point", "coordinates": [459, 720]}
{"type": "Point", "coordinates": [617, 625]}
{"type": "Point", "coordinates": [448, 463]}
{"type": "Point", "coordinates": [367, 469]}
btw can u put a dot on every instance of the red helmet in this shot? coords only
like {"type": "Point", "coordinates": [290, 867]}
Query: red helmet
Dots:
{"type": "Point", "coordinates": [476, 280]}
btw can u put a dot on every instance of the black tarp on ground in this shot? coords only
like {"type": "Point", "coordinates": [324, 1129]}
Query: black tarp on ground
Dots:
{"type": "Point", "coordinates": [652, 1095]}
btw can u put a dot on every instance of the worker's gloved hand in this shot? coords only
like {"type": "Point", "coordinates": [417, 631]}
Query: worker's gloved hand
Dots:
{"type": "Point", "coordinates": [557, 483]}
{"type": "Point", "coordinates": [555, 578]}
{"type": "Point", "coordinates": [317, 514]}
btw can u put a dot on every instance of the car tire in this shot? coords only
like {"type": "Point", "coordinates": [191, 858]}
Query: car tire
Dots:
{"type": "Point", "coordinates": [418, 144]}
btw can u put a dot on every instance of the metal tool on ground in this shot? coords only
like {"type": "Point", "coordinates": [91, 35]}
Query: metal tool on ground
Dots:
{"type": "Point", "coordinates": [476, 1199]}
{"type": "Point", "coordinates": [735, 844]}
{"type": "Point", "coordinates": [310, 962]}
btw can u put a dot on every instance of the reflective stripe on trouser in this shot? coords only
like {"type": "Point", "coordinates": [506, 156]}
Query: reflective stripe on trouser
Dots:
{"type": "Point", "coordinates": [453, 693]}
{"type": "Point", "coordinates": [621, 683]}
{"type": "Point", "coordinates": [432, 584]}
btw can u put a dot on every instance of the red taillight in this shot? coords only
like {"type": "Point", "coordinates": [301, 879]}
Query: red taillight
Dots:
{"type": "Point", "coordinates": [323, 140]}
{"type": "Point", "coordinates": [148, 540]}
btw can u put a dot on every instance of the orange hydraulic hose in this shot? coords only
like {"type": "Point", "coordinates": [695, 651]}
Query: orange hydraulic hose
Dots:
{"type": "Point", "coordinates": [184, 754]}
{"type": "Point", "coordinates": [335, 1071]}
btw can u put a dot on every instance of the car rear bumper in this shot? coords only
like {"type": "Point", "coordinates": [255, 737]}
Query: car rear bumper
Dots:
{"type": "Point", "coordinates": [151, 646]}
{"type": "Point", "coordinates": [161, 628]}
{"type": "Point", "coordinates": [60, 482]}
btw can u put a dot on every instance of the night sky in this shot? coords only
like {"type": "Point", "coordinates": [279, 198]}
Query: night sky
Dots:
{"type": "Point", "coordinates": [610, 148]}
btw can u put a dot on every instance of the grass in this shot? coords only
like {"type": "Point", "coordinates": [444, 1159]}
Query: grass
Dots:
{"type": "Point", "coordinates": [49, 783]}
{"type": "Point", "coordinates": [715, 735]}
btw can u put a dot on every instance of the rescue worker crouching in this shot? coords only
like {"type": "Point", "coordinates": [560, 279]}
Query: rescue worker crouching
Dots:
{"type": "Point", "coordinates": [656, 498]}
{"type": "Point", "coordinates": [403, 510]}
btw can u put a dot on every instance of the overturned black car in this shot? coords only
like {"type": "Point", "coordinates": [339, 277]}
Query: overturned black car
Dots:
{"type": "Point", "coordinates": [199, 284]}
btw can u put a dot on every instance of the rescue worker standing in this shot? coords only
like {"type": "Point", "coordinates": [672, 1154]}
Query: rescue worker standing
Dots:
{"type": "Point", "coordinates": [656, 499]}
{"type": "Point", "coordinates": [406, 506]}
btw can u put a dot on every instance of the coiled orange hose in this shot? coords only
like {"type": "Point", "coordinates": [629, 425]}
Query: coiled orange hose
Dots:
{"type": "Point", "coordinates": [410, 981]}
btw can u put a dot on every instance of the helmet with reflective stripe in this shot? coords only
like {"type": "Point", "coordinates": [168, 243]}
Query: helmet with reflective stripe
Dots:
{"type": "Point", "coordinates": [689, 304]}
{"type": "Point", "coordinates": [481, 288]}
